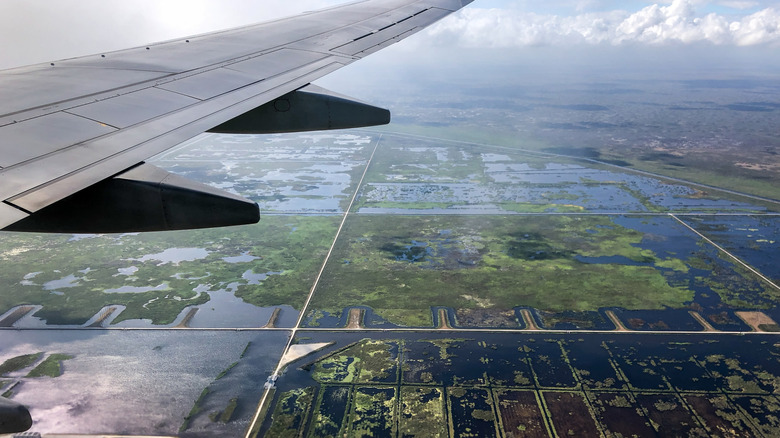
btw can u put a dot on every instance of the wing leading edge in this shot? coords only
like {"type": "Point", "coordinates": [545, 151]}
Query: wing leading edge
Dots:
{"type": "Point", "coordinates": [74, 133]}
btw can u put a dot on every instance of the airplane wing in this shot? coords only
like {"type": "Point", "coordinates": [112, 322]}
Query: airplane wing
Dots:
{"type": "Point", "coordinates": [74, 134]}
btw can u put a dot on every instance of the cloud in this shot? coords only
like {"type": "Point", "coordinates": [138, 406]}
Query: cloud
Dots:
{"type": "Point", "coordinates": [656, 24]}
{"type": "Point", "coordinates": [43, 30]}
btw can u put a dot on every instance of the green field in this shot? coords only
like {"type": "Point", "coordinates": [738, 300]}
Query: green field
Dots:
{"type": "Point", "coordinates": [402, 265]}
{"type": "Point", "coordinates": [69, 277]}
{"type": "Point", "coordinates": [50, 367]}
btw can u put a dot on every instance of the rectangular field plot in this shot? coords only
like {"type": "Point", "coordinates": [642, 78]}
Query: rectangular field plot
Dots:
{"type": "Point", "coordinates": [669, 415]}
{"type": "Point", "coordinates": [762, 412]}
{"type": "Point", "coordinates": [427, 363]}
{"type": "Point", "coordinates": [520, 413]}
{"type": "Point", "coordinates": [568, 320]}
{"type": "Point", "coordinates": [422, 412]}
{"type": "Point", "coordinates": [687, 375]}
{"type": "Point", "coordinates": [570, 414]}
{"type": "Point", "coordinates": [731, 376]}
{"type": "Point", "coordinates": [550, 365]}
{"type": "Point", "coordinates": [641, 371]}
{"type": "Point", "coordinates": [593, 366]}
{"type": "Point", "coordinates": [366, 361]}
{"type": "Point", "coordinates": [292, 412]}
{"type": "Point", "coordinates": [719, 415]}
{"type": "Point", "coordinates": [329, 417]}
{"type": "Point", "coordinates": [373, 412]}
{"type": "Point", "coordinates": [618, 413]}
{"type": "Point", "coordinates": [471, 412]}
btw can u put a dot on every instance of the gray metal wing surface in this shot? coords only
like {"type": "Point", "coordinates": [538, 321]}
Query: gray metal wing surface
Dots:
{"type": "Point", "coordinates": [69, 125]}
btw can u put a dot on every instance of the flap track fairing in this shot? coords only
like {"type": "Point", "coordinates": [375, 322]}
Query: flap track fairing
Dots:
{"type": "Point", "coordinates": [144, 198]}
{"type": "Point", "coordinates": [310, 108]}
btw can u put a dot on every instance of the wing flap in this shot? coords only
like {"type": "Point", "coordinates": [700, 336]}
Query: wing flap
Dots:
{"type": "Point", "coordinates": [42, 135]}
{"type": "Point", "coordinates": [53, 88]}
{"type": "Point", "coordinates": [132, 108]}
{"type": "Point", "coordinates": [203, 86]}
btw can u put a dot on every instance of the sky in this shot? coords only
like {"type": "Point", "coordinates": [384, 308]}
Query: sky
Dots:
{"type": "Point", "coordinates": [527, 23]}
{"type": "Point", "coordinates": [44, 30]}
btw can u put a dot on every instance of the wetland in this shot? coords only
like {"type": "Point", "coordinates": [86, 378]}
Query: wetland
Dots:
{"type": "Point", "coordinates": [530, 385]}
{"type": "Point", "coordinates": [466, 237]}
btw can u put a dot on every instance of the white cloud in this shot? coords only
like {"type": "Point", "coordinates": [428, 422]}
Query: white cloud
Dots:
{"type": "Point", "coordinates": [656, 24]}
{"type": "Point", "coordinates": [43, 30]}
{"type": "Point", "coordinates": [763, 26]}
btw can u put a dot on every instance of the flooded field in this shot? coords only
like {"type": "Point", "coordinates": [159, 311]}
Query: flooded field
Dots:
{"type": "Point", "coordinates": [533, 385]}
{"type": "Point", "coordinates": [463, 180]}
{"type": "Point", "coordinates": [754, 239]}
{"type": "Point", "coordinates": [234, 277]}
{"type": "Point", "coordinates": [283, 174]}
{"type": "Point", "coordinates": [111, 380]}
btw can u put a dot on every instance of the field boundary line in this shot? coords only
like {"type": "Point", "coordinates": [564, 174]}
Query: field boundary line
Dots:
{"type": "Point", "coordinates": [723, 250]}
{"type": "Point", "coordinates": [316, 283]}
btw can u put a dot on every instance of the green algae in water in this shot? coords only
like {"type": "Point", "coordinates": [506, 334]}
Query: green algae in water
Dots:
{"type": "Point", "coordinates": [291, 412]}
{"type": "Point", "coordinates": [374, 412]}
{"type": "Point", "coordinates": [19, 363]}
{"type": "Point", "coordinates": [422, 412]}
{"type": "Point", "coordinates": [50, 367]}
{"type": "Point", "coordinates": [331, 412]}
